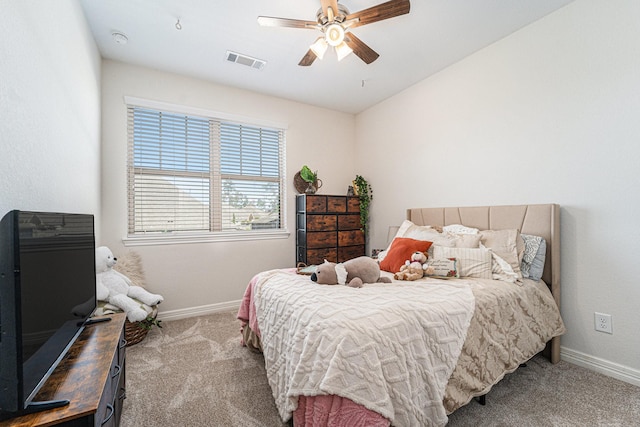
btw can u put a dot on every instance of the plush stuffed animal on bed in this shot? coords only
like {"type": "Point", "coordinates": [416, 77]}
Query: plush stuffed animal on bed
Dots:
{"type": "Point", "coordinates": [116, 288]}
{"type": "Point", "coordinates": [415, 268]}
{"type": "Point", "coordinates": [353, 273]}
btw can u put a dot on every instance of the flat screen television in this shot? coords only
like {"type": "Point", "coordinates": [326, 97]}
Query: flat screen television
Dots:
{"type": "Point", "coordinates": [47, 294]}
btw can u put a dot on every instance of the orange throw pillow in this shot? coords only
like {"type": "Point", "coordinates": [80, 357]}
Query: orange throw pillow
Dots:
{"type": "Point", "coordinates": [400, 251]}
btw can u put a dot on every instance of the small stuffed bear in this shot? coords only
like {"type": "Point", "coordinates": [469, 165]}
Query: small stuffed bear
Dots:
{"type": "Point", "coordinates": [116, 288]}
{"type": "Point", "coordinates": [413, 269]}
{"type": "Point", "coordinates": [352, 273]}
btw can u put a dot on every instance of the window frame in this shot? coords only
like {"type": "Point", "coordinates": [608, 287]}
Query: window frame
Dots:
{"type": "Point", "coordinates": [185, 237]}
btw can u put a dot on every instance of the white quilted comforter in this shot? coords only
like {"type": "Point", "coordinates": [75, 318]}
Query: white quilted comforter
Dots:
{"type": "Point", "coordinates": [393, 353]}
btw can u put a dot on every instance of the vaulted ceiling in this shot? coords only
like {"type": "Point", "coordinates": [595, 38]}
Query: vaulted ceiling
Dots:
{"type": "Point", "coordinates": [412, 47]}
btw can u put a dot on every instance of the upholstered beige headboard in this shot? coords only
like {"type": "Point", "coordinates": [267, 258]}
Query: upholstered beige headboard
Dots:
{"type": "Point", "coordinates": [538, 220]}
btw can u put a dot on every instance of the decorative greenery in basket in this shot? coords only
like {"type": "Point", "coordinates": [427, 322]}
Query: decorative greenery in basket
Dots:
{"type": "Point", "coordinates": [134, 332]}
{"type": "Point", "coordinates": [150, 322]}
{"type": "Point", "coordinates": [365, 193]}
{"type": "Point", "coordinates": [313, 184]}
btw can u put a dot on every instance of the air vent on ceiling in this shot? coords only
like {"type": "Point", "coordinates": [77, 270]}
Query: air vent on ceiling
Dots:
{"type": "Point", "coordinates": [239, 58]}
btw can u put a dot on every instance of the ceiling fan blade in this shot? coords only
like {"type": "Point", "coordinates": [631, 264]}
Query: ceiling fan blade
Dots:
{"type": "Point", "coordinates": [333, 4]}
{"type": "Point", "coordinates": [307, 59]}
{"type": "Point", "coordinates": [360, 48]}
{"type": "Point", "coordinates": [269, 21]}
{"type": "Point", "coordinates": [380, 12]}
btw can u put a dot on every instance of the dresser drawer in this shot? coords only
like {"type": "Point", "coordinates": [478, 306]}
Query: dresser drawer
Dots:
{"type": "Point", "coordinates": [315, 203]}
{"type": "Point", "coordinates": [121, 394]}
{"type": "Point", "coordinates": [353, 204]}
{"type": "Point", "coordinates": [122, 348]}
{"type": "Point", "coordinates": [117, 371]}
{"type": "Point", "coordinates": [321, 239]}
{"type": "Point", "coordinates": [105, 415]}
{"type": "Point", "coordinates": [349, 222]}
{"type": "Point", "coordinates": [317, 256]}
{"type": "Point", "coordinates": [336, 204]}
{"type": "Point", "coordinates": [350, 238]}
{"type": "Point", "coordinates": [321, 222]}
{"type": "Point", "coordinates": [349, 252]}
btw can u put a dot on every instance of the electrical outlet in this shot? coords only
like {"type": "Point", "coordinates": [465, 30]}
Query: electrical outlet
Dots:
{"type": "Point", "coordinates": [603, 323]}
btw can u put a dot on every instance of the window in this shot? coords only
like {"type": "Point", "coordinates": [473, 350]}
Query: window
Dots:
{"type": "Point", "coordinates": [196, 174]}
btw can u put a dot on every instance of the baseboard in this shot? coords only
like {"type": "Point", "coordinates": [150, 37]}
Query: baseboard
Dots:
{"type": "Point", "coordinates": [198, 311]}
{"type": "Point", "coordinates": [610, 369]}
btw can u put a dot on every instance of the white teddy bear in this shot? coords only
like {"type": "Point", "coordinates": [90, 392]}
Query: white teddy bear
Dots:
{"type": "Point", "coordinates": [116, 288]}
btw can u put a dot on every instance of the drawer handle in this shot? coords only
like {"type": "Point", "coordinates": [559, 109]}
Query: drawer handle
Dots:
{"type": "Point", "coordinates": [123, 394]}
{"type": "Point", "coordinates": [111, 411]}
{"type": "Point", "coordinates": [123, 343]}
{"type": "Point", "coordinates": [116, 371]}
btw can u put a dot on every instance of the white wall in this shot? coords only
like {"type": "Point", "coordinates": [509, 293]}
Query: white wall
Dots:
{"type": "Point", "coordinates": [548, 114]}
{"type": "Point", "coordinates": [204, 276]}
{"type": "Point", "coordinates": [49, 109]}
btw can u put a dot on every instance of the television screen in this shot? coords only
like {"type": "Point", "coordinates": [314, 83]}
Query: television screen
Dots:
{"type": "Point", "coordinates": [54, 286]}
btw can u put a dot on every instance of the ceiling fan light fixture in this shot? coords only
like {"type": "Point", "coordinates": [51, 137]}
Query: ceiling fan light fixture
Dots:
{"type": "Point", "coordinates": [343, 50]}
{"type": "Point", "coordinates": [319, 47]}
{"type": "Point", "coordinates": [334, 34]}
{"type": "Point", "coordinates": [334, 20]}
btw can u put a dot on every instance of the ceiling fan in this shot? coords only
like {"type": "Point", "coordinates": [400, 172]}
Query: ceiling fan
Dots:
{"type": "Point", "coordinates": [335, 21]}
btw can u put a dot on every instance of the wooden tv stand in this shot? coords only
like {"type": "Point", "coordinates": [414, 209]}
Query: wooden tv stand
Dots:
{"type": "Point", "coordinates": [91, 376]}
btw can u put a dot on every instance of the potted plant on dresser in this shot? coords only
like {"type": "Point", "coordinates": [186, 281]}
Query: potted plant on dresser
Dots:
{"type": "Point", "coordinates": [363, 190]}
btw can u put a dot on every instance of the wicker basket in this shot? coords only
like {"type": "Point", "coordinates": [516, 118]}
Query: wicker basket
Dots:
{"type": "Point", "coordinates": [302, 186]}
{"type": "Point", "coordinates": [299, 183]}
{"type": "Point", "coordinates": [135, 332]}
{"type": "Point", "coordinates": [130, 264]}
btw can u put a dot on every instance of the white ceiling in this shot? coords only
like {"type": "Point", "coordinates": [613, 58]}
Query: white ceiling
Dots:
{"type": "Point", "coordinates": [434, 35]}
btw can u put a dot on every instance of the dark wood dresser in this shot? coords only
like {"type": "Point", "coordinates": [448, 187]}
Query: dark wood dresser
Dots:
{"type": "Point", "coordinates": [328, 227]}
{"type": "Point", "coordinates": [91, 376]}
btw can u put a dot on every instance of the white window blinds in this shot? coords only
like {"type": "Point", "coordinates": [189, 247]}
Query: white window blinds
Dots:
{"type": "Point", "coordinates": [201, 174]}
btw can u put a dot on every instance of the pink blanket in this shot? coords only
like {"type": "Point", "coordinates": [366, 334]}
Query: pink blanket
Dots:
{"type": "Point", "coordinates": [313, 411]}
{"type": "Point", "coordinates": [335, 411]}
{"type": "Point", "coordinates": [247, 311]}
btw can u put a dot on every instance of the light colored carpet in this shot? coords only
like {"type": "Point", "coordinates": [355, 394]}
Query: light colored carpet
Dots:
{"type": "Point", "coordinates": [193, 372]}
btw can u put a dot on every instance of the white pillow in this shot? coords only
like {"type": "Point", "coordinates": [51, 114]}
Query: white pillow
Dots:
{"type": "Point", "coordinates": [417, 232]}
{"type": "Point", "coordinates": [459, 229]}
{"type": "Point", "coordinates": [504, 243]}
{"type": "Point", "coordinates": [413, 231]}
{"type": "Point", "coordinates": [430, 234]}
{"type": "Point", "coordinates": [501, 270]}
{"type": "Point", "coordinates": [464, 240]}
{"type": "Point", "coordinates": [473, 262]}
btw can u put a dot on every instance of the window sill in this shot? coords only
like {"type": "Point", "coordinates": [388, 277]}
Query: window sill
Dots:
{"type": "Point", "coordinates": [186, 238]}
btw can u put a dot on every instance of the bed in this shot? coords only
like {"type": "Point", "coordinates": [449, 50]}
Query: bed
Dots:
{"type": "Point", "coordinates": [410, 353]}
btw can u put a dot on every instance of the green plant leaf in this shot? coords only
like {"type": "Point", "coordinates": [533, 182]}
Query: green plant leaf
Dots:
{"type": "Point", "coordinates": [365, 194]}
{"type": "Point", "coordinates": [307, 174]}
{"type": "Point", "coordinates": [149, 322]}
